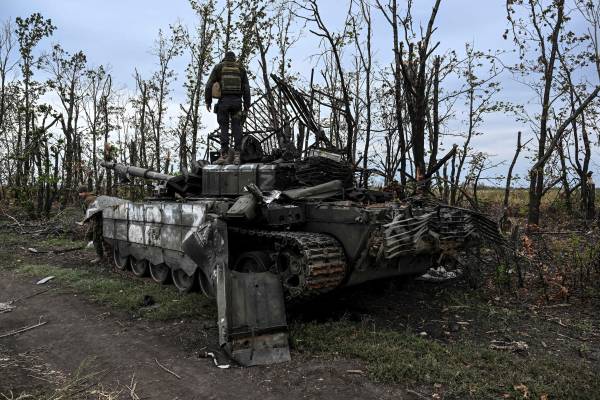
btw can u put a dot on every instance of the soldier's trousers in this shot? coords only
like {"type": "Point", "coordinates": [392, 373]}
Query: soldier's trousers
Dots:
{"type": "Point", "coordinates": [94, 233]}
{"type": "Point", "coordinates": [229, 112]}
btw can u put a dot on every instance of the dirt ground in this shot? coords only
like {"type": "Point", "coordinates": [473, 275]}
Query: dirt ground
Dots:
{"type": "Point", "coordinates": [116, 350]}
{"type": "Point", "coordinates": [99, 351]}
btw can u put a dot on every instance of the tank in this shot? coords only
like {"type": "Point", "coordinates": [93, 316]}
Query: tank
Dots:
{"type": "Point", "coordinates": [255, 237]}
{"type": "Point", "coordinates": [285, 226]}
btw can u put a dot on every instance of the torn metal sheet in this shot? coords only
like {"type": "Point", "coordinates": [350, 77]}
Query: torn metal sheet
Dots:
{"type": "Point", "coordinates": [100, 204]}
{"type": "Point", "coordinates": [445, 229]}
{"type": "Point", "coordinates": [208, 248]}
{"type": "Point", "coordinates": [6, 307]}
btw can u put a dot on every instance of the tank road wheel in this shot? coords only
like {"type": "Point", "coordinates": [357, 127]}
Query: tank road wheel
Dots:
{"type": "Point", "coordinates": [183, 282]}
{"type": "Point", "coordinates": [253, 261]}
{"type": "Point", "coordinates": [121, 262]}
{"type": "Point", "coordinates": [160, 273]}
{"type": "Point", "coordinates": [139, 267]}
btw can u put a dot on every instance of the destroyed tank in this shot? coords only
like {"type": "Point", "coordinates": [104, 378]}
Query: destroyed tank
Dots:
{"type": "Point", "coordinates": [255, 237]}
{"type": "Point", "coordinates": [268, 232]}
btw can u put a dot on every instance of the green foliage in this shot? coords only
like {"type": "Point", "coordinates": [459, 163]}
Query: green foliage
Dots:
{"type": "Point", "coordinates": [29, 33]}
{"type": "Point", "coordinates": [125, 294]}
{"type": "Point", "coordinates": [501, 275]}
{"type": "Point", "coordinates": [464, 369]}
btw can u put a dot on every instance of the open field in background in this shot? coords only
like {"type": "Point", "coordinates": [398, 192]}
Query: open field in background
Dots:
{"type": "Point", "coordinates": [518, 199]}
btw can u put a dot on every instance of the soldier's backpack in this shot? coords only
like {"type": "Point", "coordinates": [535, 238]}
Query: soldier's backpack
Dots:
{"type": "Point", "coordinates": [216, 90]}
{"type": "Point", "coordinates": [231, 78]}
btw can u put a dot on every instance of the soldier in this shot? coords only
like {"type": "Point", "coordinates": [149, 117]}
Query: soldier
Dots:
{"type": "Point", "coordinates": [94, 232]}
{"type": "Point", "coordinates": [231, 86]}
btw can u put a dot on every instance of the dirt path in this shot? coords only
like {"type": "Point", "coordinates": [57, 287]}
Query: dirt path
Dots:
{"type": "Point", "coordinates": [78, 331]}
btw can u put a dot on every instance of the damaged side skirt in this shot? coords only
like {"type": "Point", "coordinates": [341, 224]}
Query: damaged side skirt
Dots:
{"type": "Point", "coordinates": [252, 322]}
{"type": "Point", "coordinates": [251, 309]}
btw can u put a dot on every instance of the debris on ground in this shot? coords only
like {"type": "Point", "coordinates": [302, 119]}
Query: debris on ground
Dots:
{"type": "Point", "coordinates": [440, 274]}
{"type": "Point", "coordinates": [207, 354]}
{"type": "Point", "coordinates": [355, 372]}
{"type": "Point", "coordinates": [24, 329]}
{"type": "Point", "coordinates": [167, 369]}
{"type": "Point", "coordinates": [30, 296]}
{"type": "Point", "coordinates": [6, 307]}
{"type": "Point", "coordinates": [44, 280]}
{"type": "Point", "coordinates": [515, 346]}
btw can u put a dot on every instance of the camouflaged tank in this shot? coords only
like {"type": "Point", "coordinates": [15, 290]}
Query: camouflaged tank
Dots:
{"type": "Point", "coordinates": [256, 236]}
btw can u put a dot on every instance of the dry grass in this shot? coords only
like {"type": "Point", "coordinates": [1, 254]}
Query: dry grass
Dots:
{"type": "Point", "coordinates": [50, 384]}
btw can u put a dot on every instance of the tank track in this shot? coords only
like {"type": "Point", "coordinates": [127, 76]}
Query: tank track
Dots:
{"type": "Point", "coordinates": [322, 260]}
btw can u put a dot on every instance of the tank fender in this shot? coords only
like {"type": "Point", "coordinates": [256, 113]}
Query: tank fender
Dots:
{"type": "Point", "coordinates": [100, 204]}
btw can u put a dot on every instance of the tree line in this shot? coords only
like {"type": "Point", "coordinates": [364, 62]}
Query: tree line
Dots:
{"type": "Point", "coordinates": [394, 118]}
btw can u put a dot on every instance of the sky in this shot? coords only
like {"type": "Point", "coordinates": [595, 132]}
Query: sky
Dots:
{"type": "Point", "coordinates": [121, 33]}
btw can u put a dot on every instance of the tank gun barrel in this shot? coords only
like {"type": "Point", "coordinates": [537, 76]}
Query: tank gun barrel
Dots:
{"type": "Point", "coordinates": [130, 170]}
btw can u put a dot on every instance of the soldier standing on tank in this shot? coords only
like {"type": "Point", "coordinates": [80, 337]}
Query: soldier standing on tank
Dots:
{"type": "Point", "coordinates": [94, 232]}
{"type": "Point", "coordinates": [233, 92]}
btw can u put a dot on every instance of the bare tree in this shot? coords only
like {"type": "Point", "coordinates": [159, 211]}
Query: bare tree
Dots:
{"type": "Point", "coordinates": [480, 93]}
{"type": "Point", "coordinates": [67, 80]}
{"type": "Point", "coordinates": [166, 49]}
{"type": "Point", "coordinates": [390, 11]}
{"type": "Point", "coordinates": [96, 80]}
{"type": "Point", "coordinates": [334, 41]}
{"type": "Point", "coordinates": [30, 31]}
{"type": "Point", "coordinates": [414, 63]}
{"type": "Point", "coordinates": [540, 47]}
{"type": "Point", "coordinates": [366, 62]}
{"type": "Point", "coordinates": [8, 63]}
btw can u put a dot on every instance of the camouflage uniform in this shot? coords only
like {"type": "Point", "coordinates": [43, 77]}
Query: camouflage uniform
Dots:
{"type": "Point", "coordinates": [229, 108]}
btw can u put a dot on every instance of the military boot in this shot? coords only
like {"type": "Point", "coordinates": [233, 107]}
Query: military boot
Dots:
{"type": "Point", "coordinates": [236, 158]}
{"type": "Point", "coordinates": [223, 159]}
{"type": "Point", "coordinates": [230, 157]}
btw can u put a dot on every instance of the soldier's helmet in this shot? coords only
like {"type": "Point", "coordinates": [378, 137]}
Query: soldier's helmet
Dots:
{"type": "Point", "coordinates": [230, 56]}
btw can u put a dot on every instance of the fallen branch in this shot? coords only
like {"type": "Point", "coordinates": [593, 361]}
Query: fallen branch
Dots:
{"type": "Point", "coordinates": [25, 329]}
{"type": "Point", "coordinates": [59, 251]}
{"type": "Point", "coordinates": [31, 295]}
{"type": "Point", "coordinates": [132, 386]}
{"type": "Point", "coordinates": [167, 369]}
{"type": "Point", "coordinates": [12, 218]}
